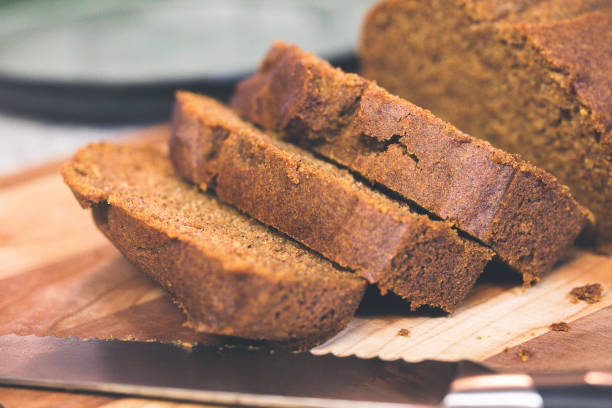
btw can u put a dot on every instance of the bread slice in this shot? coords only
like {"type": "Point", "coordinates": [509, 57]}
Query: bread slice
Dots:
{"type": "Point", "coordinates": [230, 274]}
{"type": "Point", "coordinates": [322, 206]}
{"type": "Point", "coordinates": [533, 78]}
{"type": "Point", "coordinates": [517, 209]}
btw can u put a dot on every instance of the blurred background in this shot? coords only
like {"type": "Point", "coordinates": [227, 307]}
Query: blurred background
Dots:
{"type": "Point", "coordinates": [75, 71]}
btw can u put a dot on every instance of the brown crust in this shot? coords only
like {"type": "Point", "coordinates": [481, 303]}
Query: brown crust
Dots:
{"type": "Point", "coordinates": [223, 285]}
{"type": "Point", "coordinates": [532, 77]}
{"type": "Point", "coordinates": [519, 210]}
{"type": "Point", "coordinates": [323, 207]}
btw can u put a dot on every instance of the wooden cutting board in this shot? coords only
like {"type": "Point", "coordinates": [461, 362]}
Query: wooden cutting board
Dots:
{"type": "Point", "coordinates": [59, 276]}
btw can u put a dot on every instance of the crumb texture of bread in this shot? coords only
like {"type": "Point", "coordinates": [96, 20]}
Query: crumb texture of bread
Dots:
{"type": "Point", "coordinates": [322, 206]}
{"type": "Point", "coordinates": [230, 274]}
{"type": "Point", "coordinates": [532, 77]}
{"type": "Point", "coordinates": [520, 211]}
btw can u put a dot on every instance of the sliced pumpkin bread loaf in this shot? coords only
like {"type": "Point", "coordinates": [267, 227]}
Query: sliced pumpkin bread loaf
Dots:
{"type": "Point", "coordinates": [322, 206]}
{"type": "Point", "coordinates": [230, 274]}
{"type": "Point", "coordinates": [520, 211]}
{"type": "Point", "coordinates": [532, 77]}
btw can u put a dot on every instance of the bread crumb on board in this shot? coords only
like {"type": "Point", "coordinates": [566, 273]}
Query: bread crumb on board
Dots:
{"type": "Point", "coordinates": [561, 326]}
{"type": "Point", "coordinates": [403, 333]}
{"type": "Point", "coordinates": [524, 355]}
{"type": "Point", "coordinates": [590, 293]}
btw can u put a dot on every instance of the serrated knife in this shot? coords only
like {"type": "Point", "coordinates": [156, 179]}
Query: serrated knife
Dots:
{"type": "Point", "coordinates": [265, 377]}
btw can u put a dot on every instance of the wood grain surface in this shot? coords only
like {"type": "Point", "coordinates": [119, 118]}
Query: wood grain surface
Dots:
{"type": "Point", "coordinates": [59, 276]}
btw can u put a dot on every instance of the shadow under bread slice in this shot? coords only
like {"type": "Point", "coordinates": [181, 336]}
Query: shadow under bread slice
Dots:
{"type": "Point", "coordinates": [230, 274]}
{"type": "Point", "coordinates": [520, 211]}
{"type": "Point", "coordinates": [323, 207]}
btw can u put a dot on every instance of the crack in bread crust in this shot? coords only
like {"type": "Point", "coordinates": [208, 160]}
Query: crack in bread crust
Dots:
{"type": "Point", "coordinates": [531, 78]}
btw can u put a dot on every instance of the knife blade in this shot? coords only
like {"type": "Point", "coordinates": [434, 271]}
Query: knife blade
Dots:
{"type": "Point", "coordinates": [259, 376]}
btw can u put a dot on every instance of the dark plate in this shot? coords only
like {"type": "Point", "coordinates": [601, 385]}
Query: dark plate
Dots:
{"type": "Point", "coordinates": [121, 61]}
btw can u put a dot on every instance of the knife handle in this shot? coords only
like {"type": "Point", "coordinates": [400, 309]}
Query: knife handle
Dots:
{"type": "Point", "coordinates": [576, 390]}
{"type": "Point", "coordinates": [592, 389]}
{"type": "Point", "coordinates": [585, 396]}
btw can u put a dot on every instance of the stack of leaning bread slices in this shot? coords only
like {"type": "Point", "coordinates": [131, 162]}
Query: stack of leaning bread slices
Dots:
{"type": "Point", "coordinates": [268, 219]}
